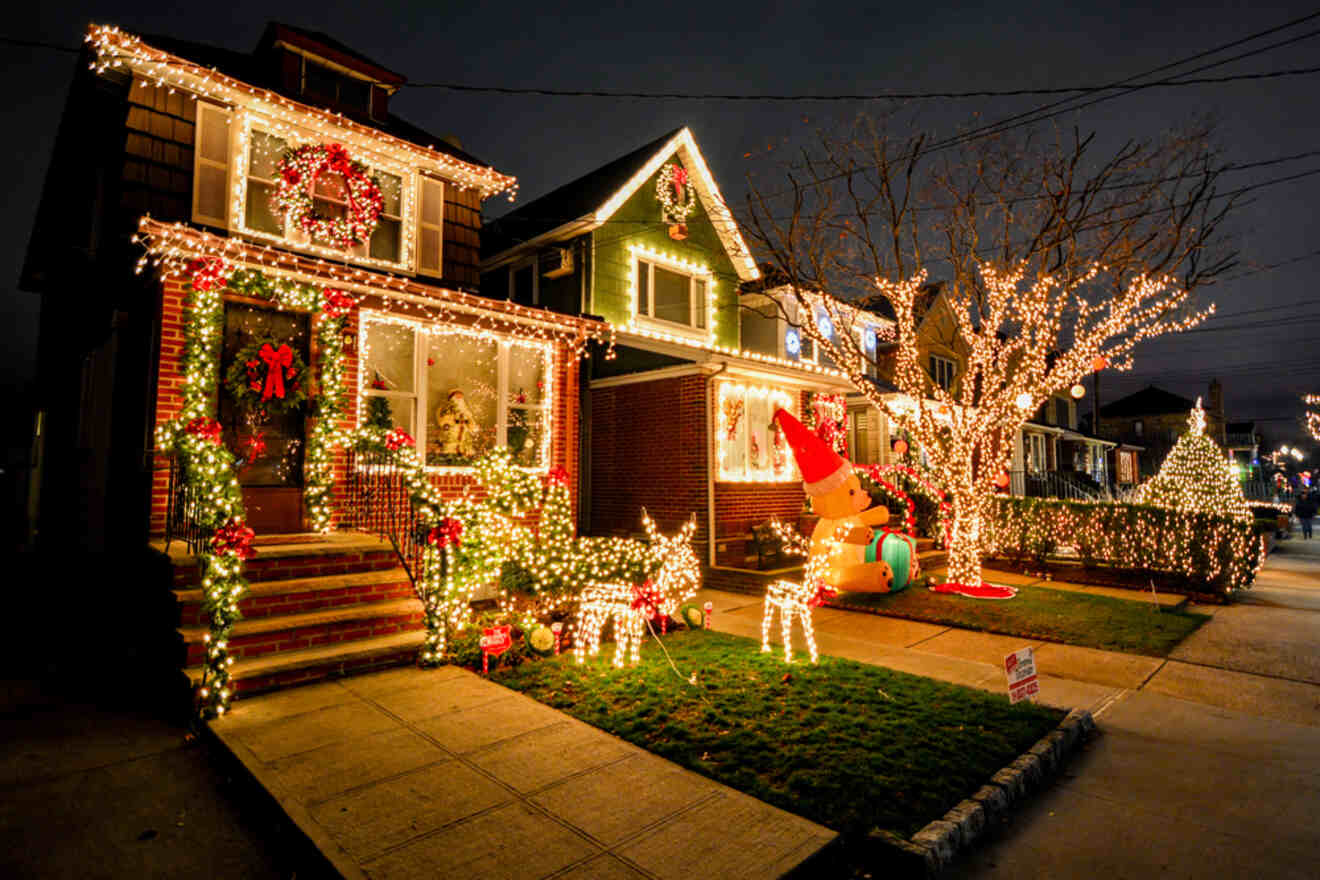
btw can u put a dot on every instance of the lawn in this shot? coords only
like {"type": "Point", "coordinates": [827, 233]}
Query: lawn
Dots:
{"type": "Point", "coordinates": [1126, 625]}
{"type": "Point", "coordinates": [848, 745]}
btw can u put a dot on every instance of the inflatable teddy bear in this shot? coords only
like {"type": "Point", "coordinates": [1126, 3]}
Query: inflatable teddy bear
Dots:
{"type": "Point", "coordinates": [844, 507]}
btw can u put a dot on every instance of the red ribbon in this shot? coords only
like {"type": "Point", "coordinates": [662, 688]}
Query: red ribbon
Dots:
{"type": "Point", "coordinates": [680, 180]}
{"type": "Point", "coordinates": [447, 533]}
{"type": "Point", "coordinates": [646, 598]}
{"type": "Point", "coordinates": [277, 360]}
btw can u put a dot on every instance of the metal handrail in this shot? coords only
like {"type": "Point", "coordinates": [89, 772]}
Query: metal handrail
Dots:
{"type": "Point", "coordinates": [181, 512]}
{"type": "Point", "coordinates": [377, 501]}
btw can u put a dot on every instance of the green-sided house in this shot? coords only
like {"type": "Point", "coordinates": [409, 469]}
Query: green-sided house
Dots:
{"type": "Point", "coordinates": [679, 420]}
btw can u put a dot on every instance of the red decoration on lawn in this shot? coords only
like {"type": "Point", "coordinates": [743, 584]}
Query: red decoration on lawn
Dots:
{"type": "Point", "coordinates": [824, 593]}
{"type": "Point", "coordinates": [556, 476]}
{"type": "Point", "coordinates": [975, 591]}
{"type": "Point", "coordinates": [233, 539]}
{"type": "Point", "coordinates": [208, 273]}
{"type": "Point", "coordinates": [299, 169]}
{"type": "Point", "coordinates": [396, 439]}
{"type": "Point", "coordinates": [495, 640]}
{"type": "Point", "coordinates": [207, 429]}
{"type": "Point", "coordinates": [337, 303]}
{"type": "Point", "coordinates": [447, 534]}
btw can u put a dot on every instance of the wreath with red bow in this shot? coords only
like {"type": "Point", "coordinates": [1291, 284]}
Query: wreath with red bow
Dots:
{"type": "Point", "coordinates": [299, 169]}
{"type": "Point", "coordinates": [267, 375]}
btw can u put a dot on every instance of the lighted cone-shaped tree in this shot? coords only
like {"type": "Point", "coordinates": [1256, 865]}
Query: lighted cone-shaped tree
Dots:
{"type": "Point", "coordinates": [1196, 476]}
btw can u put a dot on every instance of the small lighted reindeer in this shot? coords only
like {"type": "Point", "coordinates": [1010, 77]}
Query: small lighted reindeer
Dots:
{"type": "Point", "coordinates": [794, 599]}
{"type": "Point", "coordinates": [630, 606]}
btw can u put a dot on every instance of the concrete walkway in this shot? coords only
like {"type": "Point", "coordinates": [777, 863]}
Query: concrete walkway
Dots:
{"type": "Point", "coordinates": [442, 773]}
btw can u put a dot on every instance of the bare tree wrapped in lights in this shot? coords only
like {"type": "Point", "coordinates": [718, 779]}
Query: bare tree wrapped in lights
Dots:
{"type": "Point", "coordinates": [1054, 264]}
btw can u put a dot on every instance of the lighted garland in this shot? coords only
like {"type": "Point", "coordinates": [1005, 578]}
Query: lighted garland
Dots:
{"type": "Point", "coordinates": [673, 189]}
{"type": "Point", "coordinates": [299, 169]}
{"type": "Point", "coordinates": [267, 376]}
{"type": "Point", "coordinates": [918, 482]}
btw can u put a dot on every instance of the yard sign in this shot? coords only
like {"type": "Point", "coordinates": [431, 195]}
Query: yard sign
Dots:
{"type": "Point", "coordinates": [1020, 666]}
{"type": "Point", "coordinates": [495, 640]}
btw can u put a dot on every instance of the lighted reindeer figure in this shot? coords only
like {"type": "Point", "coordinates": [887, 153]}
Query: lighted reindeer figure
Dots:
{"type": "Point", "coordinates": [797, 599]}
{"type": "Point", "coordinates": [630, 606]}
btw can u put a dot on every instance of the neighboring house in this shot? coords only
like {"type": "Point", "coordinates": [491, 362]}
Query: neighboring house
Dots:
{"type": "Point", "coordinates": [1055, 457]}
{"type": "Point", "coordinates": [1242, 440]}
{"type": "Point", "coordinates": [1153, 419]}
{"type": "Point", "coordinates": [679, 420]}
{"type": "Point", "coordinates": [171, 150]}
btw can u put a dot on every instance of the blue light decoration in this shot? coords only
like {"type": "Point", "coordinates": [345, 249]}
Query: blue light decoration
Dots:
{"type": "Point", "coordinates": [823, 323]}
{"type": "Point", "coordinates": [792, 342]}
{"type": "Point", "coordinates": [869, 340]}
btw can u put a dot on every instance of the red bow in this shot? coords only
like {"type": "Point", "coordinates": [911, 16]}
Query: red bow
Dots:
{"type": "Point", "coordinates": [556, 476]}
{"type": "Point", "coordinates": [396, 439]}
{"type": "Point", "coordinates": [233, 539]}
{"type": "Point", "coordinates": [645, 598]}
{"type": "Point", "coordinates": [680, 180]}
{"type": "Point", "coordinates": [824, 593]}
{"type": "Point", "coordinates": [337, 303]}
{"type": "Point", "coordinates": [447, 533]}
{"type": "Point", "coordinates": [207, 429]}
{"type": "Point", "coordinates": [277, 360]}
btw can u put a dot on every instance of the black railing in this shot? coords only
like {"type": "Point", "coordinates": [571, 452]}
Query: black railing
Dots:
{"type": "Point", "coordinates": [181, 513]}
{"type": "Point", "coordinates": [377, 501]}
{"type": "Point", "coordinates": [1050, 484]}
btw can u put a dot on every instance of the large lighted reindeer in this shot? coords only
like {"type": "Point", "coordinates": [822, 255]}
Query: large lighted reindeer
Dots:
{"type": "Point", "coordinates": [630, 606]}
{"type": "Point", "coordinates": [797, 599]}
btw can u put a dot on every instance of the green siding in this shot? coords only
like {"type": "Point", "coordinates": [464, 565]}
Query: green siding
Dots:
{"type": "Point", "coordinates": [638, 222]}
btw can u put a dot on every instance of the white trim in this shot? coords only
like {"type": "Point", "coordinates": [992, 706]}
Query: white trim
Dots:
{"type": "Point", "coordinates": [648, 376]}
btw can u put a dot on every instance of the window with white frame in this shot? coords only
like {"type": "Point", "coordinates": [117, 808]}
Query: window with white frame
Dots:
{"type": "Point", "coordinates": [942, 371]}
{"type": "Point", "coordinates": [749, 445]}
{"type": "Point", "coordinates": [329, 198]}
{"type": "Point", "coordinates": [1036, 453]}
{"type": "Point", "coordinates": [459, 393]}
{"type": "Point", "coordinates": [671, 292]}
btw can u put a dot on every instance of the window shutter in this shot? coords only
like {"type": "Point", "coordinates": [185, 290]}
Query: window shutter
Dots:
{"type": "Point", "coordinates": [211, 166]}
{"type": "Point", "coordinates": [430, 220]}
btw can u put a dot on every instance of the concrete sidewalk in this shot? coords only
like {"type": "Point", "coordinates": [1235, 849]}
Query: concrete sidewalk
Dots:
{"type": "Point", "coordinates": [442, 773]}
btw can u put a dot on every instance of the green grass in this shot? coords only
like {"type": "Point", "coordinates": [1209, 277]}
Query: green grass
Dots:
{"type": "Point", "coordinates": [1126, 625]}
{"type": "Point", "coordinates": [845, 744]}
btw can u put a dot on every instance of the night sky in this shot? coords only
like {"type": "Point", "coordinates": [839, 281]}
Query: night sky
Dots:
{"type": "Point", "coordinates": [1265, 359]}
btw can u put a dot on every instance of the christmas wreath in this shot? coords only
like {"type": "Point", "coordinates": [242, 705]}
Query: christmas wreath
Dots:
{"type": "Point", "coordinates": [674, 191]}
{"type": "Point", "coordinates": [299, 168]}
{"type": "Point", "coordinates": [267, 375]}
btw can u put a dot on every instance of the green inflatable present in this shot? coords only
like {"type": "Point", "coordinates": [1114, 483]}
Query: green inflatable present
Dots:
{"type": "Point", "coordinates": [897, 549]}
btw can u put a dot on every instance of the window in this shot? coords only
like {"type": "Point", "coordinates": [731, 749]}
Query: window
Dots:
{"type": "Point", "coordinates": [1139, 427]}
{"type": "Point", "coordinates": [941, 371]}
{"type": "Point", "coordinates": [1036, 452]}
{"type": "Point", "coordinates": [211, 166]}
{"type": "Point", "coordinates": [524, 284]}
{"type": "Point", "coordinates": [750, 447]}
{"type": "Point", "coordinates": [458, 393]}
{"type": "Point", "coordinates": [863, 435]}
{"type": "Point", "coordinates": [868, 344]}
{"type": "Point", "coordinates": [329, 198]}
{"type": "Point", "coordinates": [324, 85]}
{"type": "Point", "coordinates": [665, 293]}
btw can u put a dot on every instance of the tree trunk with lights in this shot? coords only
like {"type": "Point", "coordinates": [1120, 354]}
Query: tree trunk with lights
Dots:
{"type": "Point", "coordinates": [1053, 266]}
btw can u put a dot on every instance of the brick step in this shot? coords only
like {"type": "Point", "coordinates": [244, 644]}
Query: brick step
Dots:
{"type": "Point", "coordinates": [290, 632]}
{"type": "Point", "coordinates": [267, 598]}
{"type": "Point", "coordinates": [335, 553]}
{"type": "Point", "coordinates": [255, 675]}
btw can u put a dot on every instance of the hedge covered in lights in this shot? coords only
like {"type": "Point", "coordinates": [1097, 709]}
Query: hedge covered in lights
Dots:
{"type": "Point", "coordinates": [1222, 552]}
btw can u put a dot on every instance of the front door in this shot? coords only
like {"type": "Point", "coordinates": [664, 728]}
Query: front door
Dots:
{"type": "Point", "coordinates": [262, 428]}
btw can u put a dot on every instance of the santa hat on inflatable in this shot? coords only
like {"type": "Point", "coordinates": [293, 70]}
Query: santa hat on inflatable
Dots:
{"type": "Point", "coordinates": [823, 469]}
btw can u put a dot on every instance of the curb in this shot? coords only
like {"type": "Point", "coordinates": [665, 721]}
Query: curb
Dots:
{"type": "Point", "coordinates": [933, 848]}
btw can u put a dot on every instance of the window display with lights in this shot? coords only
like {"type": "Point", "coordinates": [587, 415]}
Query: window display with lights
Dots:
{"type": "Point", "coordinates": [748, 444]}
{"type": "Point", "coordinates": [460, 393]}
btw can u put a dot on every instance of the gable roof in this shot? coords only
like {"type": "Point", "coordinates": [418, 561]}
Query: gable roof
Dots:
{"type": "Point", "coordinates": [590, 201]}
{"type": "Point", "coordinates": [1149, 401]}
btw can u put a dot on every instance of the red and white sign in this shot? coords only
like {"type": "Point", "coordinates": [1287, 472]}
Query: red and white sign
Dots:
{"type": "Point", "coordinates": [495, 640]}
{"type": "Point", "coordinates": [1020, 666]}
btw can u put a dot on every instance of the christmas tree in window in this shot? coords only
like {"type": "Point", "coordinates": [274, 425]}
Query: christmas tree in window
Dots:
{"type": "Point", "coordinates": [1196, 477]}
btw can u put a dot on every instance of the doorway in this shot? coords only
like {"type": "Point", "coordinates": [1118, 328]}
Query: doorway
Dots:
{"type": "Point", "coordinates": [266, 436]}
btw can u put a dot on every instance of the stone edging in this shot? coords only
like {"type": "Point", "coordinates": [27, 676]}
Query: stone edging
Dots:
{"type": "Point", "coordinates": [933, 848]}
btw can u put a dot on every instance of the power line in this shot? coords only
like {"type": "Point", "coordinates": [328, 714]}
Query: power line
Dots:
{"type": "Point", "coordinates": [879, 96]}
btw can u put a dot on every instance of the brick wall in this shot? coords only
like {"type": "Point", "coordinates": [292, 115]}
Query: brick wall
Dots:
{"type": "Point", "coordinates": [648, 449]}
{"type": "Point", "coordinates": [169, 401]}
{"type": "Point", "coordinates": [739, 506]}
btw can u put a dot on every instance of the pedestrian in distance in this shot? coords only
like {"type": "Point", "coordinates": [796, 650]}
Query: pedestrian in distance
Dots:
{"type": "Point", "coordinates": [1304, 510]}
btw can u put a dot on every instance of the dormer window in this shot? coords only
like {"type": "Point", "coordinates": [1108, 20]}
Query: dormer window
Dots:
{"type": "Point", "coordinates": [324, 85]}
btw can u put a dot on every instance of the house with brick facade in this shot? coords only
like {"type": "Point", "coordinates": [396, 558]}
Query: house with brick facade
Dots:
{"type": "Point", "coordinates": [256, 239]}
{"type": "Point", "coordinates": [678, 420]}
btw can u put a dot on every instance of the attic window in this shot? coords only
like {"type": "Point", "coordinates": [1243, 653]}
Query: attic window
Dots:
{"type": "Point", "coordinates": [325, 85]}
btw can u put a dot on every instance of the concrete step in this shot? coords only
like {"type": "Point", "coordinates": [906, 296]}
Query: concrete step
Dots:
{"type": "Point", "coordinates": [267, 598]}
{"type": "Point", "coordinates": [288, 632]}
{"type": "Point", "coordinates": [288, 668]}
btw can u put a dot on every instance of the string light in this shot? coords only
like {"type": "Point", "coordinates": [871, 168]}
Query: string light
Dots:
{"type": "Point", "coordinates": [796, 599]}
{"type": "Point", "coordinates": [1024, 338]}
{"type": "Point", "coordinates": [1313, 416]}
{"type": "Point", "coordinates": [630, 605]}
{"type": "Point", "coordinates": [741, 460]}
{"type": "Point", "coordinates": [1196, 477]}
